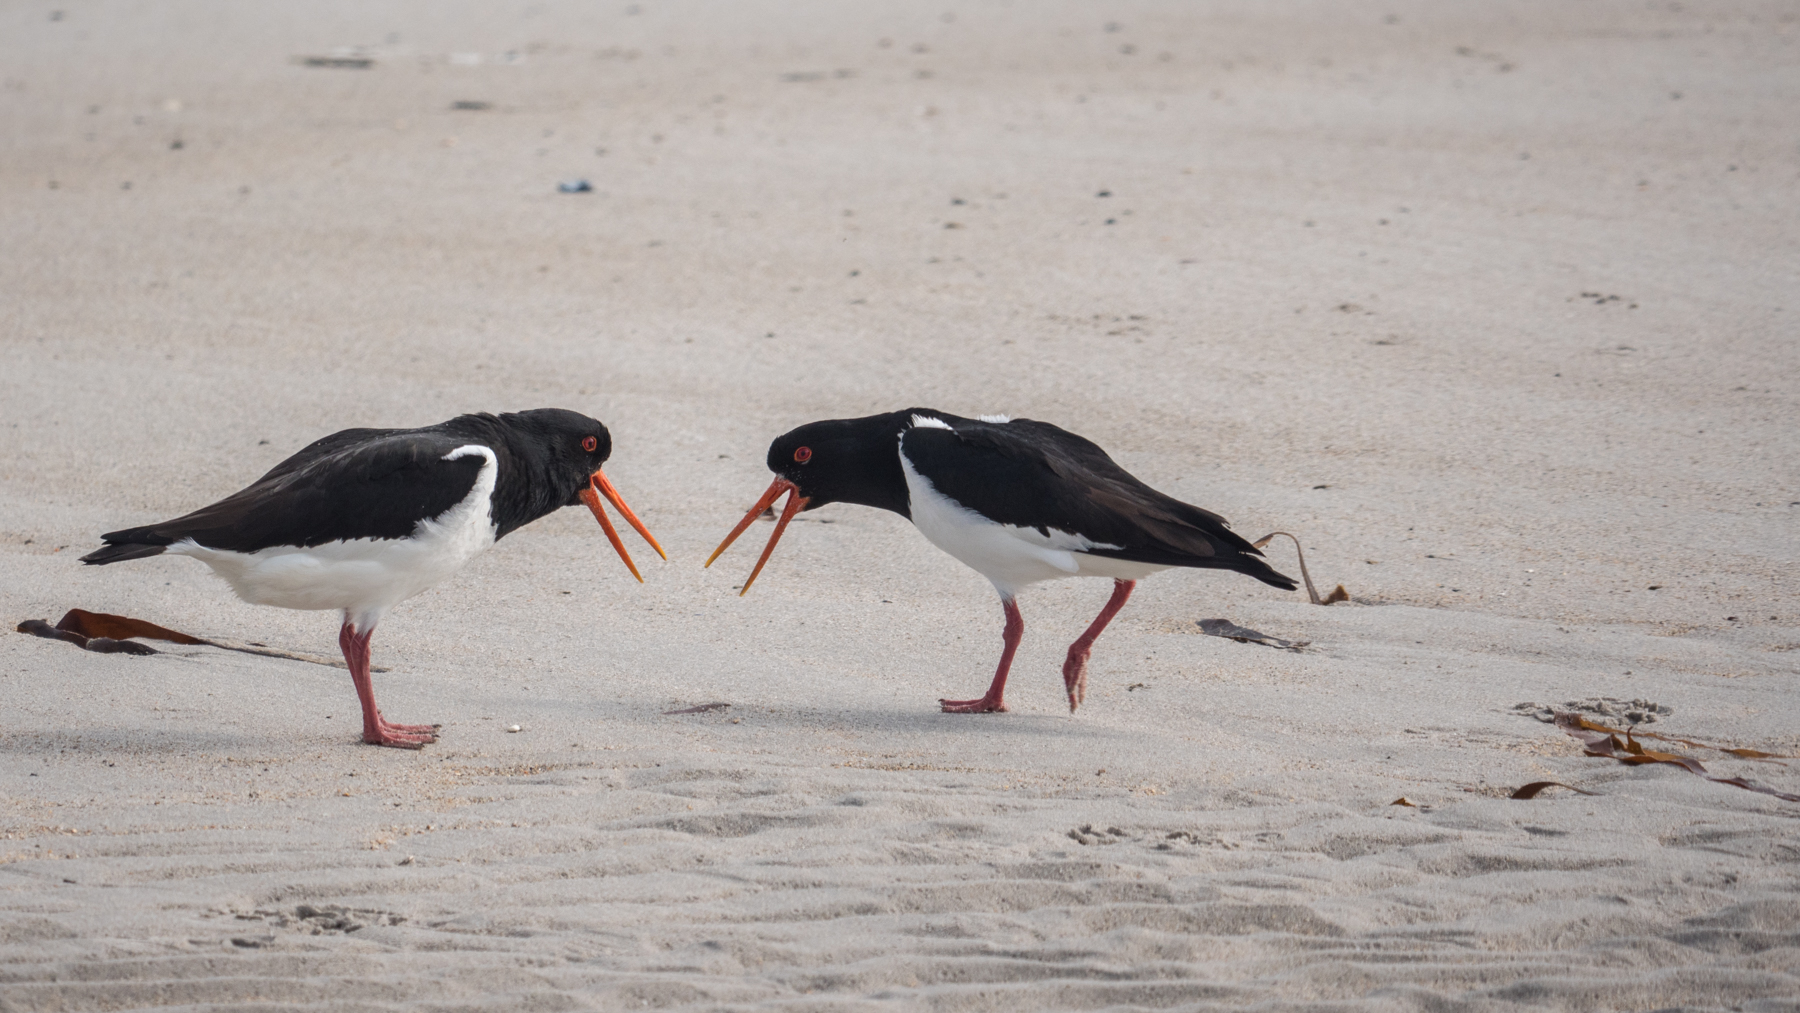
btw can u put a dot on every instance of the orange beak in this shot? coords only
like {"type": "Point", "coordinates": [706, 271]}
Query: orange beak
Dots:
{"type": "Point", "coordinates": [598, 486]}
{"type": "Point", "coordinates": [795, 504]}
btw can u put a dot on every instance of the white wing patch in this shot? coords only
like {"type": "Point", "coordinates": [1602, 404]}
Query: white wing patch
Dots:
{"type": "Point", "coordinates": [1065, 541]}
{"type": "Point", "coordinates": [927, 422]}
{"type": "Point", "coordinates": [995, 419]}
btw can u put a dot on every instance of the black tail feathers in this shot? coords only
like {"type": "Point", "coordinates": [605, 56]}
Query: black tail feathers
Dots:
{"type": "Point", "coordinates": [1254, 567]}
{"type": "Point", "coordinates": [120, 553]}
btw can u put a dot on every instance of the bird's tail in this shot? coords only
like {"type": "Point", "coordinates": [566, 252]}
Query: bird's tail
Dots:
{"type": "Point", "coordinates": [120, 551]}
{"type": "Point", "coordinates": [1254, 566]}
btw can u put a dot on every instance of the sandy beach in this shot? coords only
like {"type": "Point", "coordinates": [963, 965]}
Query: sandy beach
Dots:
{"type": "Point", "coordinates": [1495, 306]}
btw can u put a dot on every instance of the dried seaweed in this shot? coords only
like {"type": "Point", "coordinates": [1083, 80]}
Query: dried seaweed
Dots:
{"type": "Point", "coordinates": [702, 709]}
{"type": "Point", "coordinates": [99, 645]}
{"type": "Point", "coordinates": [336, 62]}
{"type": "Point", "coordinates": [1244, 634]}
{"type": "Point", "coordinates": [1744, 754]}
{"type": "Point", "coordinates": [1531, 790]}
{"type": "Point", "coordinates": [83, 623]}
{"type": "Point", "coordinates": [105, 633]}
{"type": "Point", "coordinates": [1600, 740]}
{"type": "Point", "coordinates": [1338, 594]}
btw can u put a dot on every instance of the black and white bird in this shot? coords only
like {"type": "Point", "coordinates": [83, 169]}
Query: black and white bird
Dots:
{"type": "Point", "coordinates": [364, 519]}
{"type": "Point", "coordinates": [1019, 501]}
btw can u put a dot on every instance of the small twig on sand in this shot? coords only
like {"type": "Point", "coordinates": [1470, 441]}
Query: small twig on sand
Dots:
{"type": "Point", "coordinates": [702, 709]}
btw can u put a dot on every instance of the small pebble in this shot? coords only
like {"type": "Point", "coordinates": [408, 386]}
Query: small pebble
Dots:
{"type": "Point", "coordinates": [514, 728]}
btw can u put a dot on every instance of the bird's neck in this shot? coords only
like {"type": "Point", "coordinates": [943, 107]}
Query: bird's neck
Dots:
{"type": "Point", "coordinates": [880, 483]}
{"type": "Point", "coordinates": [527, 487]}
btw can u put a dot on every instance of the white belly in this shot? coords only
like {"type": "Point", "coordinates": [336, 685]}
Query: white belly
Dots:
{"type": "Point", "coordinates": [1011, 557]}
{"type": "Point", "coordinates": [364, 576]}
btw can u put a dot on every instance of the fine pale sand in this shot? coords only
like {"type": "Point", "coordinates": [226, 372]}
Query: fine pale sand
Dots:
{"type": "Point", "coordinates": [1494, 304]}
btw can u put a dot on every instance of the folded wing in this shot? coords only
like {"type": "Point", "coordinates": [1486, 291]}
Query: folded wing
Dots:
{"type": "Point", "coordinates": [359, 483]}
{"type": "Point", "coordinates": [1036, 475]}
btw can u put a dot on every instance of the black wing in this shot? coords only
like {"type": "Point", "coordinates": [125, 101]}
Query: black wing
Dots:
{"type": "Point", "coordinates": [359, 483]}
{"type": "Point", "coordinates": [1035, 475]}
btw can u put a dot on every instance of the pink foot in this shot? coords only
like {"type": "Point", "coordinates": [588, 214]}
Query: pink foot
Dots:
{"type": "Point", "coordinates": [985, 705]}
{"type": "Point", "coordinates": [397, 741]}
{"type": "Point", "coordinates": [1075, 666]}
{"type": "Point", "coordinates": [399, 736]}
{"type": "Point", "coordinates": [1075, 678]}
{"type": "Point", "coordinates": [430, 730]}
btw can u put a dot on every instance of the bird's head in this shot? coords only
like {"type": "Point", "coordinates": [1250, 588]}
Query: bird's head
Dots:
{"type": "Point", "coordinates": [575, 447]}
{"type": "Point", "coordinates": [832, 461]}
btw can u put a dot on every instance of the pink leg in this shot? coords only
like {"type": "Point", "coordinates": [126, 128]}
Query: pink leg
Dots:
{"type": "Point", "coordinates": [1075, 668]}
{"type": "Point", "coordinates": [993, 701]}
{"type": "Point", "coordinates": [376, 729]}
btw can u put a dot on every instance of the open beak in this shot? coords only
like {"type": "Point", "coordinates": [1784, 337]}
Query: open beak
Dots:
{"type": "Point", "coordinates": [795, 504]}
{"type": "Point", "coordinates": [598, 486]}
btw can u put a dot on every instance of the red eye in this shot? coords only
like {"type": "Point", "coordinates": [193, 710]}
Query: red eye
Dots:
{"type": "Point", "coordinates": [803, 455]}
{"type": "Point", "coordinates": [588, 443]}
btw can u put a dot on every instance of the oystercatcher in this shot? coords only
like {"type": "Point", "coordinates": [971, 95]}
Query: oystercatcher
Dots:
{"type": "Point", "coordinates": [1017, 500]}
{"type": "Point", "coordinates": [366, 518]}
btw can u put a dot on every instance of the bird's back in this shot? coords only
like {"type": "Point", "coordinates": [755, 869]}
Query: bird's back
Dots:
{"type": "Point", "coordinates": [353, 484]}
{"type": "Point", "coordinates": [1032, 474]}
